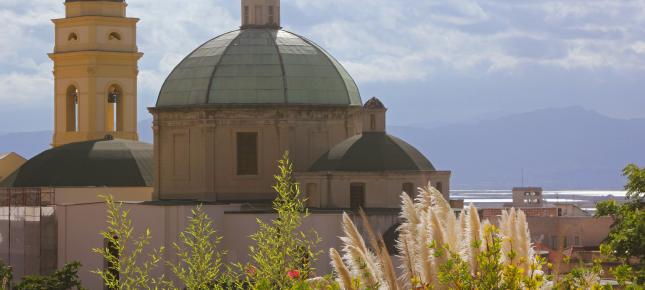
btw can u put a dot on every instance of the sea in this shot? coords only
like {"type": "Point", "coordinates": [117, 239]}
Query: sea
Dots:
{"type": "Point", "coordinates": [585, 199]}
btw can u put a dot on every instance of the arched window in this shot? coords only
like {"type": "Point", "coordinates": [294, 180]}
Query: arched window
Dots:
{"type": "Point", "coordinates": [114, 109]}
{"type": "Point", "coordinates": [72, 36]}
{"type": "Point", "coordinates": [114, 36]}
{"type": "Point", "coordinates": [71, 105]}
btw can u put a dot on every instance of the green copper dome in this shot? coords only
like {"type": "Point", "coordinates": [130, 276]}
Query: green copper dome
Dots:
{"type": "Point", "coordinates": [259, 66]}
{"type": "Point", "coordinates": [372, 152]}
{"type": "Point", "coordinates": [104, 162]}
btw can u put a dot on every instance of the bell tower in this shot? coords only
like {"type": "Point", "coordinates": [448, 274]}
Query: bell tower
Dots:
{"type": "Point", "coordinates": [95, 72]}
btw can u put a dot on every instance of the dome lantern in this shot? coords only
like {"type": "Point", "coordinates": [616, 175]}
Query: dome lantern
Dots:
{"type": "Point", "coordinates": [260, 13]}
{"type": "Point", "coordinates": [374, 116]}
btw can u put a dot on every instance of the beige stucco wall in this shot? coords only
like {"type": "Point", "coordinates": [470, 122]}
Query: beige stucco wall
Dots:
{"type": "Point", "coordinates": [382, 189]}
{"type": "Point", "coordinates": [9, 164]}
{"type": "Point", "coordinates": [81, 195]}
{"type": "Point", "coordinates": [195, 148]}
{"type": "Point", "coordinates": [79, 227]}
{"type": "Point", "coordinates": [591, 231]}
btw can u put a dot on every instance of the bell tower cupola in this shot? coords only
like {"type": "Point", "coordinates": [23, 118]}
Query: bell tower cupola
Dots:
{"type": "Point", "coordinates": [260, 13]}
{"type": "Point", "coordinates": [95, 72]}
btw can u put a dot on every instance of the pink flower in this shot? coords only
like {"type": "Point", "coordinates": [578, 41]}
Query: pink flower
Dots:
{"type": "Point", "coordinates": [293, 274]}
{"type": "Point", "coordinates": [251, 271]}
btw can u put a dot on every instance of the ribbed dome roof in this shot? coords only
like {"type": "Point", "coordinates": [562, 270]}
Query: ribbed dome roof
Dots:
{"type": "Point", "coordinates": [373, 152]}
{"type": "Point", "coordinates": [259, 66]}
{"type": "Point", "coordinates": [117, 163]}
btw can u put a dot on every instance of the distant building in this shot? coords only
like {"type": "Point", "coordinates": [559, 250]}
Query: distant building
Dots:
{"type": "Point", "coordinates": [557, 228]}
{"type": "Point", "coordinates": [9, 162]}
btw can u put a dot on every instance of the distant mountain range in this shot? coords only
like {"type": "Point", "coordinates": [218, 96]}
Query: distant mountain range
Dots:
{"type": "Point", "coordinates": [567, 148]}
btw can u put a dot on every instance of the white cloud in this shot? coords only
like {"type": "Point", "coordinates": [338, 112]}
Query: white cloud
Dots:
{"type": "Point", "coordinates": [377, 40]}
{"type": "Point", "coordinates": [25, 89]}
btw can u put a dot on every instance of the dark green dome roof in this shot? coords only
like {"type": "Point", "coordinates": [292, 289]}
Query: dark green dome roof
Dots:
{"type": "Point", "coordinates": [112, 163]}
{"type": "Point", "coordinates": [259, 66]}
{"type": "Point", "coordinates": [373, 151]}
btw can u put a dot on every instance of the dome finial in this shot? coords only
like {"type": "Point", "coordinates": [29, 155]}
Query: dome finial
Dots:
{"type": "Point", "coordinates": [260, 13]}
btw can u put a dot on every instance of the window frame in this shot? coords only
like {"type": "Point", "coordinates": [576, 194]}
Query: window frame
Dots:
{"type": "Point", "coordinates": [237, 172]}
{"type": "Point", "coordinates": [363, 193]}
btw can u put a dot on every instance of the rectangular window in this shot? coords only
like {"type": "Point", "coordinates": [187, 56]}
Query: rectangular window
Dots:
{"type": "Point", "coordinates": [439, 187]}
{"type": "Point", "coordinates": [554, 242]}
{"type": "Point", "coordinates": [110, 265]}
{"type": "Point", "coordinates": [246, 15]}
{"type": "Point", "coordinates": [271, 15]}
{"type": "Point", "coordinates": [576, 241]}
{"type": "Point", "coordinates": [181, 155]}
{"type": "Point", "coordinates": [565, 242]}
{"type": "Point", "coordinates": [258, 15]}
{"type": "Point", "coordinates": [373, 122]}
{"type": "Point", "coordinates": [247, 153]}
{"type": "Point", "coordinates": [313, 198]}
{"type": "Point", "coordinates": [408, 188]}
{"type": "Point", "coordinates": [357, 195]}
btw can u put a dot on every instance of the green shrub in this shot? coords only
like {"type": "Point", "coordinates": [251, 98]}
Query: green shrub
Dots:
{"type": "Point", "coordinates": [200, 261]}
{"type": "Point", "coordinates": [122, 253]}
{"type": "Point", "coordinates": [280, 248]}
{"type": "Point", "coordinates": [63, 279]}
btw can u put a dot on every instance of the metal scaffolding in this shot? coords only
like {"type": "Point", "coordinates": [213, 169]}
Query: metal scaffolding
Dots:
{"type": "Point", "coordinates": [28, 230]}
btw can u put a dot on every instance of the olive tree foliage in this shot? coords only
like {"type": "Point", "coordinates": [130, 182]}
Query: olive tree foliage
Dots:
{"type": "Point", "coordinates": [626, 240]}
{"type": "Point", "coordinates": [128, 259]}
{"type": "Point", "coordinates": [280, 248]}
{"type": "Point", "coordinates": [199, 262]}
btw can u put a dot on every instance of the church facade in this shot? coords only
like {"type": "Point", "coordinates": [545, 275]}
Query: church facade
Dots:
{"type": "Point", "coordinates": [223, 118]}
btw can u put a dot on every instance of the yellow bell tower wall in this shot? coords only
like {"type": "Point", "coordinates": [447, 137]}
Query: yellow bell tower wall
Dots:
{"type": "Point", "coordinates": [95, 72]}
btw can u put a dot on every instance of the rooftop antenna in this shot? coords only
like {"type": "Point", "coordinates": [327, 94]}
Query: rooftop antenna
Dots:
{"type": "Point", "coordinates": [522, 176]}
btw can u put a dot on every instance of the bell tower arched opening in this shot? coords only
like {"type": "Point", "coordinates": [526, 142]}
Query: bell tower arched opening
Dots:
{"type": "Point", "coordinates": [114, 109]}
{"type": "Point", "coordinates": [71, 114]}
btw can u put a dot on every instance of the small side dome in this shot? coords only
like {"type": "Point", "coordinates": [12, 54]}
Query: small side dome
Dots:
{"type": "Point", "coordinates": [372, 152]}
{"type": "Point", "coordinates": [97, 163]}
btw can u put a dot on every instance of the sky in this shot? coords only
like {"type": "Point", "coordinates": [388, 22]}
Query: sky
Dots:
{"type": "Point", "coordinates": [431, 62]}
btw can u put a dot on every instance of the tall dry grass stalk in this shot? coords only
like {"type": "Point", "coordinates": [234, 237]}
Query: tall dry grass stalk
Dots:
{"type": "Point", "coordinates": [429, 235]}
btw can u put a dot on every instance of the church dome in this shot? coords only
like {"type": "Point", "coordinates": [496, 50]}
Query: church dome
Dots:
{"type": "Point", "coordinates": [97, 163]}
{"type": "Point", "coordinates": [258, 66]}
{"type": "Point", "coordinates": [372, 152]}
